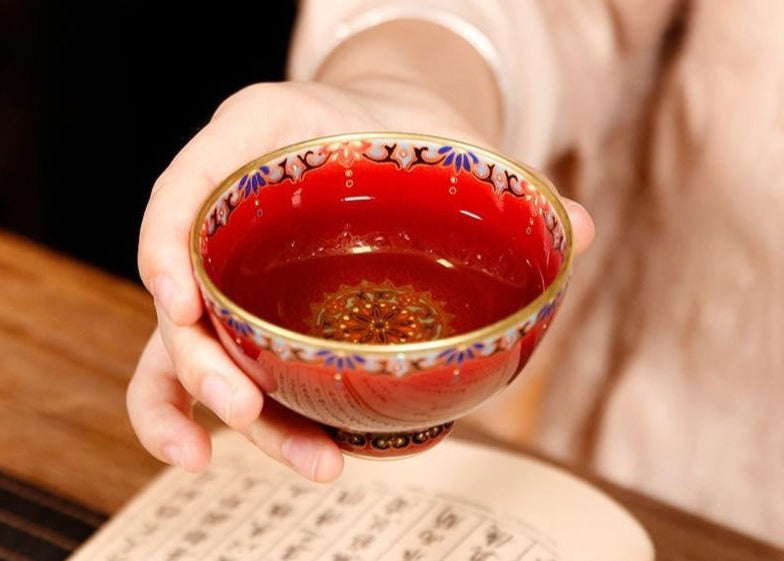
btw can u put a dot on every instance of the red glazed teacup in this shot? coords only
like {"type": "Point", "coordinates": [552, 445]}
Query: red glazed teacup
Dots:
{"type": "Point", "coordinates": [382, 284]}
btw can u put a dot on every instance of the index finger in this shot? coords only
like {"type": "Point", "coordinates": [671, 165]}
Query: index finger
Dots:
{"type": "Point", "coordinates": [236, 134]}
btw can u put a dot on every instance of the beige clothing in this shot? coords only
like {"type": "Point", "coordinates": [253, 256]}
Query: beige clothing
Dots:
{"type": "Point", "coordinates": [665, 370]}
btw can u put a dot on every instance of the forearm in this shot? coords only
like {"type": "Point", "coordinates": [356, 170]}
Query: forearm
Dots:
{"type": "Point", "coordinates": [420, 55]}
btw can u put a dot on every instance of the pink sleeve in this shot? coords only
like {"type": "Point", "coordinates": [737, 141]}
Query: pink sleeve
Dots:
{"type": "Point", "coordinates": [563, 68]}
{"type": "Point", "coordinates": [510, 35]}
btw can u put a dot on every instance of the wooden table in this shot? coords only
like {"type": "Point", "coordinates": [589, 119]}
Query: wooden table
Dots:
{"type": "Point", "coordinates": [69, 339]}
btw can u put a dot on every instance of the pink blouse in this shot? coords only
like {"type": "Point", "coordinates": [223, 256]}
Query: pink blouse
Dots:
{"type": "Point", "coordinates": [665, 370]}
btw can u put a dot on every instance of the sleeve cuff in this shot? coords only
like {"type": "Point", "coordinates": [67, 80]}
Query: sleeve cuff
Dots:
{"type": "Point", "coordinates": [510, 35]}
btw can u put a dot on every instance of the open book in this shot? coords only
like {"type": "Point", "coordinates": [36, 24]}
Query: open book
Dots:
{"type": "Point", "coordinates": [458, 501]}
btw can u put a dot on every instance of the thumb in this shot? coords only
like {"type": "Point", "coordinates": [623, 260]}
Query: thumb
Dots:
{"type": "Point", "coordinates": [583, 228]}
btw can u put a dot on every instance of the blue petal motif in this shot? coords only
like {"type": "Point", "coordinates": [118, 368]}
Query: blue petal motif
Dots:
{"type": "Point", "coordinates": [340, 362]}
{"type": "Point", "coordinates": [545, 311]}
{"type": "Point", "coordinates": [460, 160]}
{"type": "Point", "coordinates": [459, 356]}
{"type": "Point", "coordinates": [447, 352]}
{"type": "Point", "coordinates": [239, 327]}
{"type": "Point", "coordinates": [251, 182]}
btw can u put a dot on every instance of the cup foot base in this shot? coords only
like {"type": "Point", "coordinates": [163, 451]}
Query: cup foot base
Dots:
{"type": "Point", "coordinates": [383, 445]}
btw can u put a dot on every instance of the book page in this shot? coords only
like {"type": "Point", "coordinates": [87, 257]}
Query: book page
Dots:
{"type": "Point", "coordinates": [456, 502]}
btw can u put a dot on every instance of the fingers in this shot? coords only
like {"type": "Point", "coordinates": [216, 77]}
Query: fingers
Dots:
{"type": "Point", "coordinates": [231, 139]}
{"type": "Point", "coordinates": [208, 373]}
{"type": "Point", "coordinates": [164, 260]}
{"type": "Point", "coordinates": [160, 411]}
{"type": "Point", "coordinates": [296, 442]}
{"type": "Point", "coordinates": [583, 228]}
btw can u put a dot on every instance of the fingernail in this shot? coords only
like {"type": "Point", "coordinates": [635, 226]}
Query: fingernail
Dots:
{"type": "Point", "coordinates": [173, 454]}
{"type": "Point", "coordinates": [163, 291]}
{"type": "Point", "coordinates": [303, 455]}
{"type": "Point", "coordinates": [217, 394]}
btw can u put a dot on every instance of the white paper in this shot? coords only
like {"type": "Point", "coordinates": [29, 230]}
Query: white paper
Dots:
{"type": "Point", "coordinates": [456, 502]}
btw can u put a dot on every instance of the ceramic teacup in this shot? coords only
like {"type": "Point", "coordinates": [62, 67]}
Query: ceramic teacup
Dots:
{"type": "Point", "coordinates": [382, 284]}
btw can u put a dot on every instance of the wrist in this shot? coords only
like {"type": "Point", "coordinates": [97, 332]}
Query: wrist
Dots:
{"type": "Point", "coordinates": [409, 61]}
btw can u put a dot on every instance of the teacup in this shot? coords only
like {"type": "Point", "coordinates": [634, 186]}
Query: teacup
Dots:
{"type": "Point", "coordinates": [382, 284]}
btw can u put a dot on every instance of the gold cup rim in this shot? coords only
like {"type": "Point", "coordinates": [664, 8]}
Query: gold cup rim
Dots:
{"type": "Point", "coordinates": [401, 350]}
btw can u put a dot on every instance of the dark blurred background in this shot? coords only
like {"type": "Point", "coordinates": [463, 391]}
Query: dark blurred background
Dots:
{"type": "Point", "coordinates": [96, 98]}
